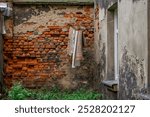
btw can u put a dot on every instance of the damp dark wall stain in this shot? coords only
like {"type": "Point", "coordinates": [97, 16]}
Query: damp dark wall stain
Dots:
{"type": "Point", "coordinates": [100, 48]}
{"type": "Point", "coordinates": [131, 72]}
{"type": "Point", "coordinates": [100, 67]}
{"type": "Point", "coordinates": [136, 0]}
{"type": "Point", "coordinates": [24, 12]}
{"type": "Point", "coordinates": [99, 75]}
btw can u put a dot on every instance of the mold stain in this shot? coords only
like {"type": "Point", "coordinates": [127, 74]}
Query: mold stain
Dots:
{"type": "Point", "coordinates": [131, 76]}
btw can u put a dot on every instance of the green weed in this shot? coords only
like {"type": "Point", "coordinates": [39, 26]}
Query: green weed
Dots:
{"type": "Point", "coordinates": [18, 92]}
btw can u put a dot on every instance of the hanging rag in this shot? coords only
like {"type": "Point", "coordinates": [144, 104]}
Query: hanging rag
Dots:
{"type": "Point", "coordinates": [71, 41]}
{"type": "Point", "coordinates": [75, 46]}
{"type": "Point", "coordinates": [79, 49]}
{"type": "Point", "coordinates": [74, 62]}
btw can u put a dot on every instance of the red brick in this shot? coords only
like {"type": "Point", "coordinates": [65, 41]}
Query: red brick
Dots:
{"type": "Point", "coordinates": [24, 68]}
{"type": "Point", "coordinates": [29, 33]}
{"type": "Point", "coordinates": [27, 59]}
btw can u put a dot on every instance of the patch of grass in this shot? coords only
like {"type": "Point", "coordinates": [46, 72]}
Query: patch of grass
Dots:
{"type": "Point", "coordinates": [18, 92]}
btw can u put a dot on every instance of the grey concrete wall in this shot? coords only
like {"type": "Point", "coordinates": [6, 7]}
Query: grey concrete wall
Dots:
{"type": "Point", "coordinates": [133, 48]}
{"type": "Point", "coordinates": [104, 60]}
{"type": "Point", "coordinates": [103, 37]}
{"type": "Point", "coordinates": [100, 43]}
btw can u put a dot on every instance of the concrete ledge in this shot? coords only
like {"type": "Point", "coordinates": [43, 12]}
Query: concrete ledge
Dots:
{"type": "Point", "coordinates": [73, 2]}
{"type": "Point", "coordinates": [112, 85]}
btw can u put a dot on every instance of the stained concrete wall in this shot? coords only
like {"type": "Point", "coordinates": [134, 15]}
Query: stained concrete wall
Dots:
{"type": "Point", "coordinates": [104, 60]}
{"type": "Point", "coordinates": [37, 54]}
{"type": "Point", "coordinates": [133, 47]}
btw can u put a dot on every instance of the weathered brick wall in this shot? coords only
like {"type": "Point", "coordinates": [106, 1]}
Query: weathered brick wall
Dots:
{"type": "Point", "coordinates": [37, 54]}
{"type": "Point", "coordinates": [8, 43]}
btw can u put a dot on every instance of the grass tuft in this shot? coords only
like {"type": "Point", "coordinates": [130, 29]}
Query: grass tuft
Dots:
{"type": "Point", "coordinates": [18, 92]}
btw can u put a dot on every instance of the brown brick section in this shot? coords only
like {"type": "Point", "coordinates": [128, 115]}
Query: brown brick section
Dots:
{"type": "Point", "coordinates": [37, 57]}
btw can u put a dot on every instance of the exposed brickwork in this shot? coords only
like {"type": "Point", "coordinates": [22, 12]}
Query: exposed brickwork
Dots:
{"type": "Point", "coordinates": [37, 54]}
